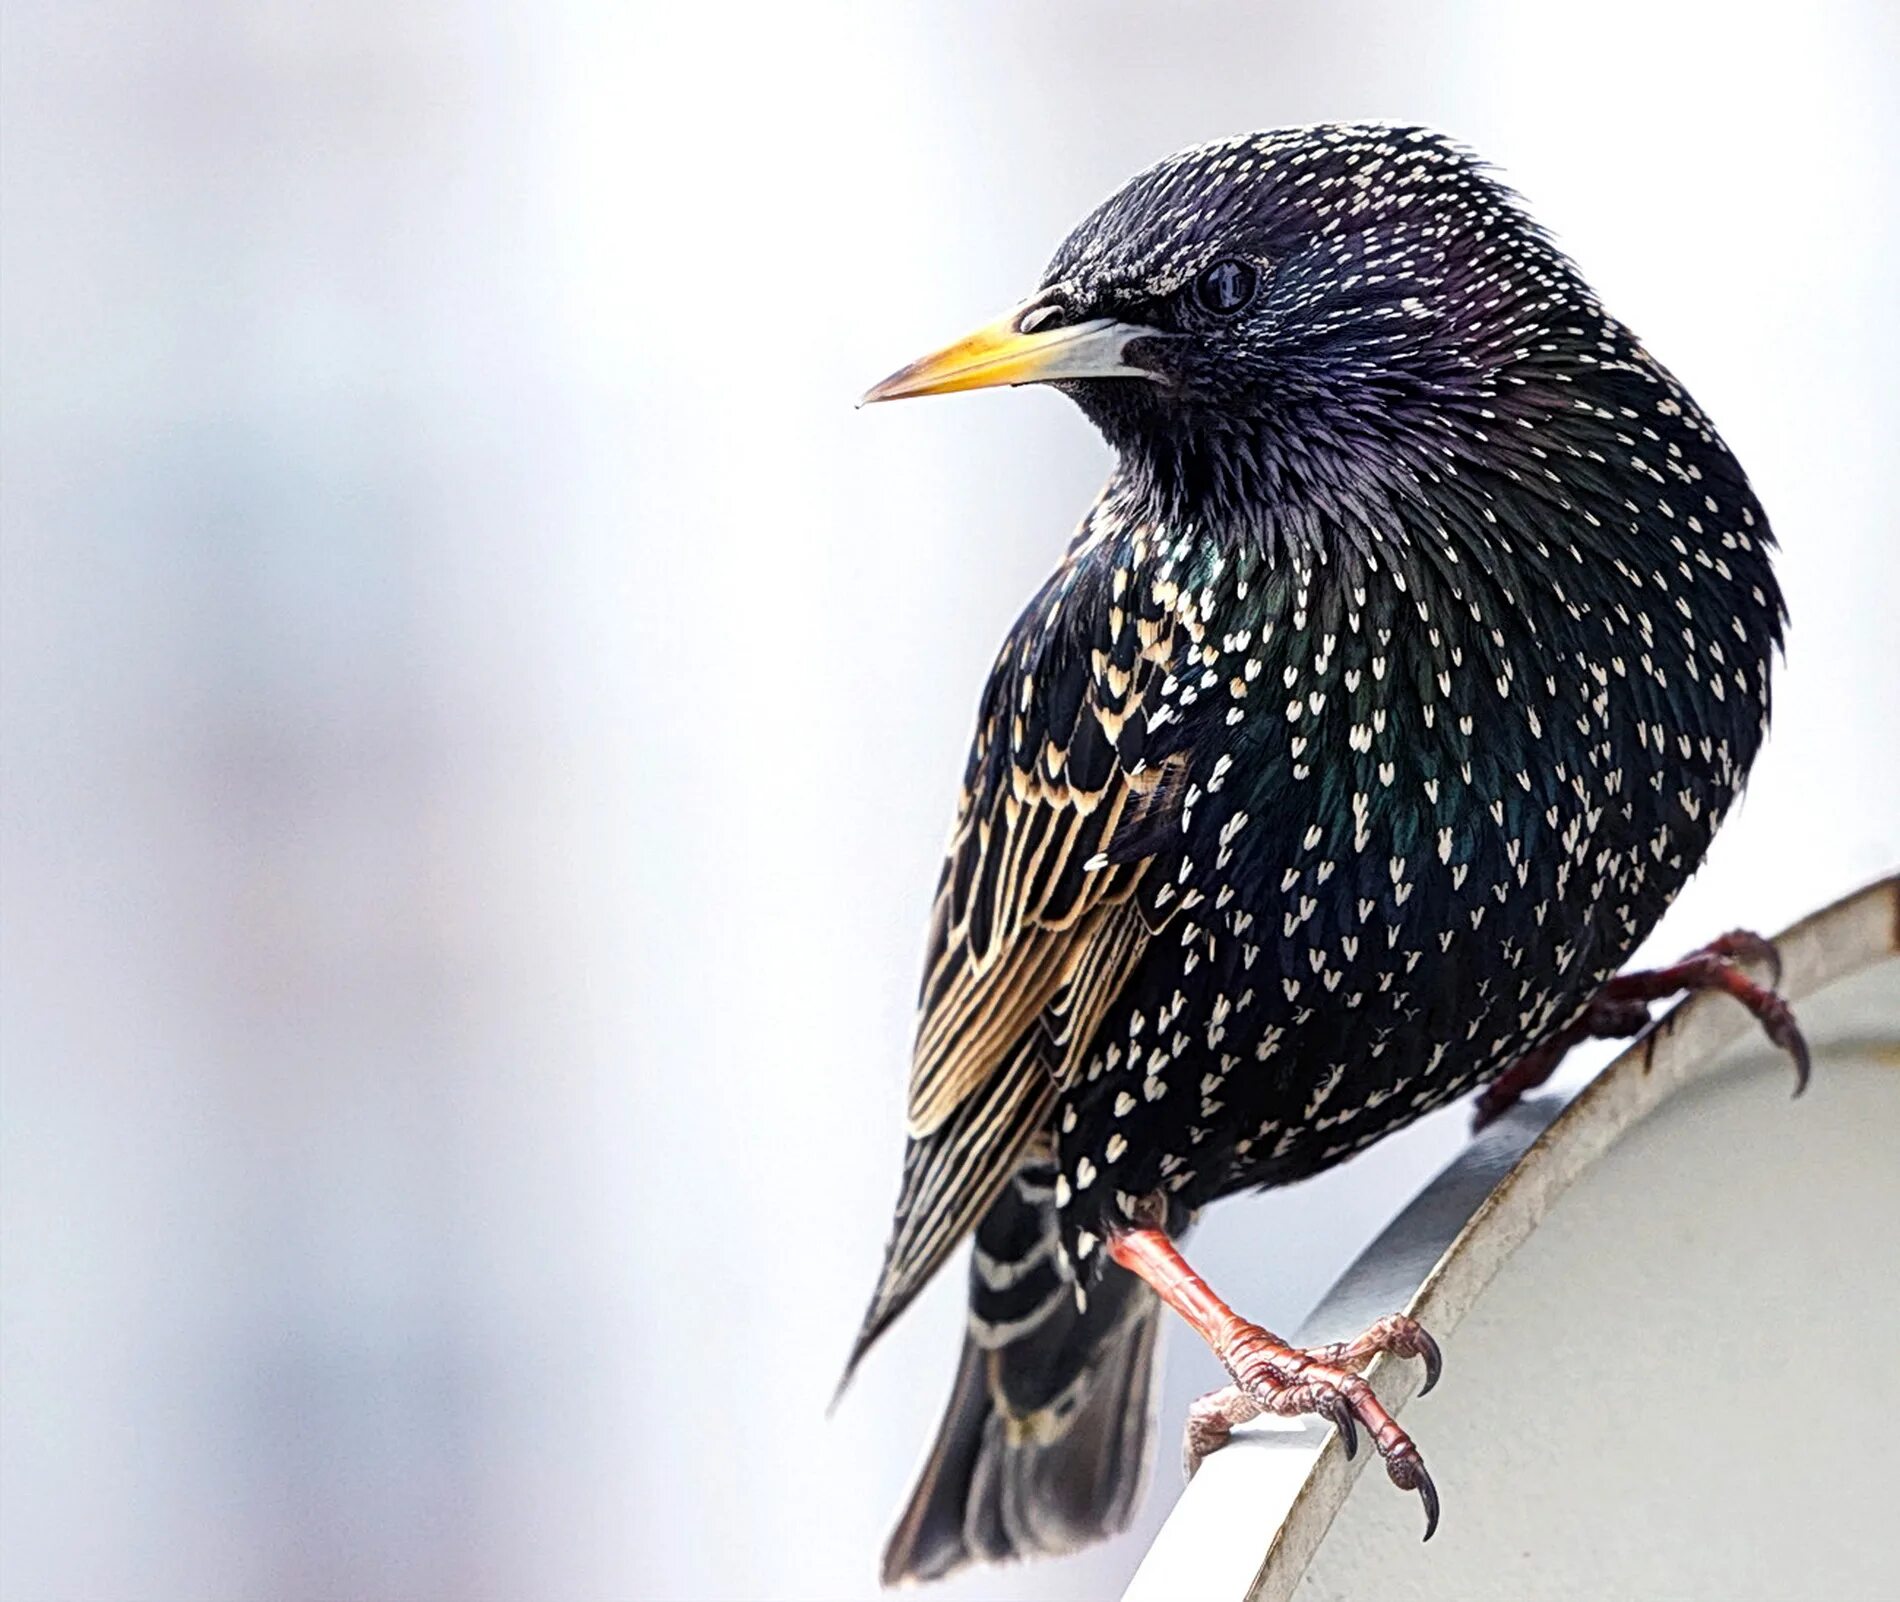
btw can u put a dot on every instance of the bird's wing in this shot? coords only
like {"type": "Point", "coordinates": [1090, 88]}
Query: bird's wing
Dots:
{"type": "Point", "coordinates": [1036, 925]}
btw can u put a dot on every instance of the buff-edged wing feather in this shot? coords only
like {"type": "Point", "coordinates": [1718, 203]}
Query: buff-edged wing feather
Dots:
{"type": "Point", "coordinates": [1036, 925]}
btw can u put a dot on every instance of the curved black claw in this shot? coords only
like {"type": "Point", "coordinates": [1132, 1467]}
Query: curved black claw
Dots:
{"type": "Point", "coordinates": [1407, 1471]}
{"type": "Point", "coordinates": [1339, 1411]}
{"type": "Point", "coordinates": [1803, 1067]}
{"type": "Point", "coordinates": [1428, 1494]}
{"type": "Point", "coordinates": [1779, 1024]}
{"type": "Point", "coordinates": [1428, 1349]}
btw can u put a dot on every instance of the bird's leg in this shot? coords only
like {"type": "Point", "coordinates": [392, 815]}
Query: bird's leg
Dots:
{"type": "Point", "coordinates": [1603, 1019]}
{"type": "Point", "coordinates": [1621, 1009]}
{"type": "Point", "coordinates": [1273, 1377]}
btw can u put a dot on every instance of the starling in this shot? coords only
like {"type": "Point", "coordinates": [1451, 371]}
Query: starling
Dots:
{"type": "Point", "coordinates": [1391, 689]}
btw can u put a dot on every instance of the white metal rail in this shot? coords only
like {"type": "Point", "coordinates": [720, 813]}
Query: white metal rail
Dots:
{"type": "Point", "coordinates": [1719, 1190]}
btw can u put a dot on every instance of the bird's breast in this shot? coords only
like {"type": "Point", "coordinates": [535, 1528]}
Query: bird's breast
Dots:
{"type": "Point", "coordinates": [1421, 819]}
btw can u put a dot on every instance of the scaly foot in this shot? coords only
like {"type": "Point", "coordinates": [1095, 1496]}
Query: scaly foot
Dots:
{"type": "Point", "coordinates": [1272, 1377]}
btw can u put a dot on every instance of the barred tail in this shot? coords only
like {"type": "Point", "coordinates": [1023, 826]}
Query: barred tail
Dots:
{"type": "Point", "coordinates": [1044, 1446]}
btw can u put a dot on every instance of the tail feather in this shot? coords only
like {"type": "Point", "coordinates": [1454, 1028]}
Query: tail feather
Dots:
{"type": "Point", "coordinates": [1044, 1445]}
{"type": "Point", "coordinates": [950, 1177]}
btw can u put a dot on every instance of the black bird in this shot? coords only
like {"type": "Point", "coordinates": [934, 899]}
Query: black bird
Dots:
{"type": "Point", "coordinates": [1392, 688]}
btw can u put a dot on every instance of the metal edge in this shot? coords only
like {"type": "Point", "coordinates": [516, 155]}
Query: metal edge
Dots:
{"type": "Point", "coordinates": [1518, 1170]}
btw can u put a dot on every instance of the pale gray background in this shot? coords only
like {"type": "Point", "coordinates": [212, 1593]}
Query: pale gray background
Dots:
{"type": "Point", "coordinates": [481, 711]}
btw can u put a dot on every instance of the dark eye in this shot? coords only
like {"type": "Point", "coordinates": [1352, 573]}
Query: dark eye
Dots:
{"type": "Point", "coordinates": [1226, 287]}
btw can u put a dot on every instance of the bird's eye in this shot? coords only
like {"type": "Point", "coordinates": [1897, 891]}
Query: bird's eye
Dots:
{"type": "Point", "coordinates": [1226, 287]}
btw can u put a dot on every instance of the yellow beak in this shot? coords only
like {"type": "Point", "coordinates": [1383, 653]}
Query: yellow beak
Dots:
{"type": "Point", "coordinates": [1002, 354]}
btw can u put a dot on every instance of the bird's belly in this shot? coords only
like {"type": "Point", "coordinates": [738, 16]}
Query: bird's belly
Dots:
{"type": "Point", "coordinates": [1288, 1035]}
{"type": "Point", "coordinates": [1301, 1068]}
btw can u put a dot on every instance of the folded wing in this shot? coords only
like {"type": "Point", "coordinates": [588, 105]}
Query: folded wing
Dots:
{"type": "Point", "coordinates": [1036, 925]}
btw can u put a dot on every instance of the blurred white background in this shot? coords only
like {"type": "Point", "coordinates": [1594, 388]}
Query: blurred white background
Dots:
{"type": "Point", "coordinates": [481, 712]}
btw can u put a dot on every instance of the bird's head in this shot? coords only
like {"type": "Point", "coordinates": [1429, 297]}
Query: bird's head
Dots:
{"type": "Point", "coordinates": [1247, 307]}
